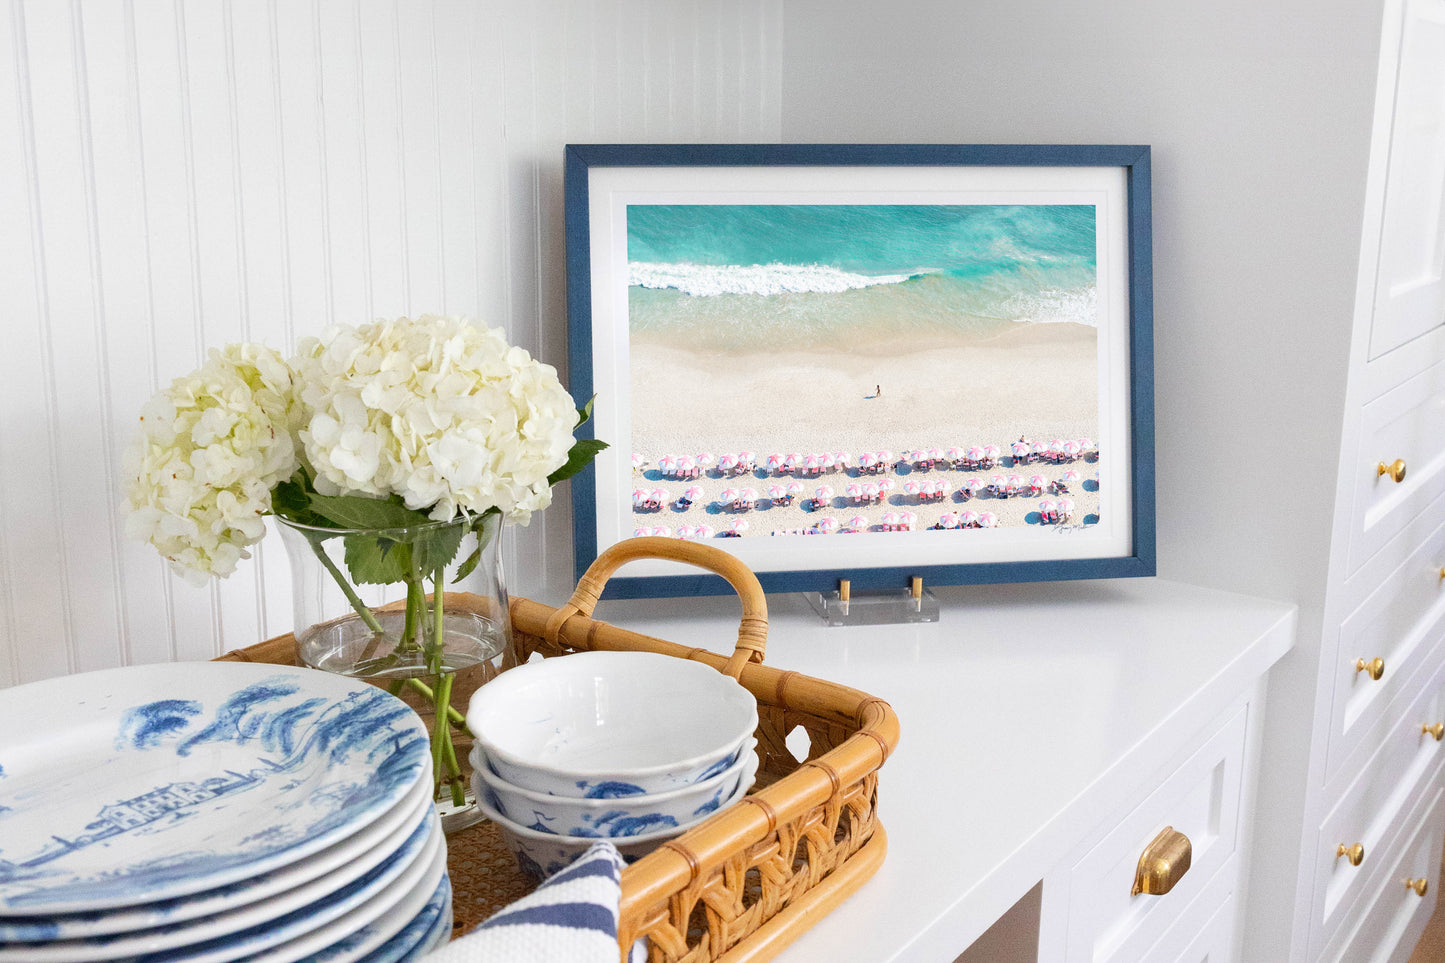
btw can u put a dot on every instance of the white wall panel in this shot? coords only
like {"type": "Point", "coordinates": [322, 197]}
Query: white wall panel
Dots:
{"type": "Point", "coordinates": [181, 174]}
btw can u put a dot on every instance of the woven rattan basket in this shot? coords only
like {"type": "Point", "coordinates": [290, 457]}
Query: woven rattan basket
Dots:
{"type": "Point", "coordinates": [750, 879]}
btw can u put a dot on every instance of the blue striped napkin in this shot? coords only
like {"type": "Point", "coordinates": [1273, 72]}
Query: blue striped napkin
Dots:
{"type": "Point", "coordinates": [570, 918]}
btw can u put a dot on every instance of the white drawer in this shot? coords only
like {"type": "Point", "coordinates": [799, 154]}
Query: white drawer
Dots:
{"type": "Point", "coordinates": [1406, 424]}
{"type": "Point", "coordinates": [1199, 799]}
{"type": "Point", "coordinates": [1372, 808]}
{"type": "Point", "coordinates": [1391, 920]}
{"type": "Point", "coordinates": [1204, 932]}
{"type": "Point", "coordinates": [1399, 623]}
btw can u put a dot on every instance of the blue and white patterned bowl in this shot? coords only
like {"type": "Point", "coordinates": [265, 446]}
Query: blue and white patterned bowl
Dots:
{"type": "Point", "coordinates": [540, 854]}
{"type": "Point", "coordinates": [624, 814]}
{"type": "Point", "coordinates": [611, 722]}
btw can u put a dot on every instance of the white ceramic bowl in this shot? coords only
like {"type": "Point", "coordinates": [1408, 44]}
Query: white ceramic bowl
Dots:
{"type": "Point", "coordinates": [608, 723]}
{"type": "Point", "coordinates": [618, 816]}
{"type": "Point", "coordinates": [542, 854]}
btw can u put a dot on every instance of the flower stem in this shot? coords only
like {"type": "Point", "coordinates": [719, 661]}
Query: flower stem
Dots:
{"type": "Point", "coordinates": [361, 609]}
{"type": "Point", "coordinates": [425, 691]}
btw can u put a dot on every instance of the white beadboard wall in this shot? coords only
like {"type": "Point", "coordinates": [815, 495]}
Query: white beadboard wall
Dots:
{"type": "Point", "coordinates": [179, 174]}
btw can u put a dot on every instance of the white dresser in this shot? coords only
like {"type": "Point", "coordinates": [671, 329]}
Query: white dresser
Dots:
{"type": "Point", "coordinates": [1366, 736]}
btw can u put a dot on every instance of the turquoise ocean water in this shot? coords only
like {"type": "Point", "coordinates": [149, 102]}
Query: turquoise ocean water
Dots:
{"type": "Point", "coordinates": [744, 277]}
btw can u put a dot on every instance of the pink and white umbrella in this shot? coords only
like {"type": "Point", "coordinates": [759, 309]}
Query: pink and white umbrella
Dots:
{"type": "Point", "coordinates": [987, 520]}
{"type": "Point", "coordinates": [693, 493]}
{"type": "Point", "coordinates": [792, 461]}
{"type": "Point", "coordinates": [686, 531]}
{"type": "Point", "coordinates": [705, 458]}
{"type": "Point", "coordinates": [703, 531]}
{"type": "Point", "coordinates": [859, 523]}
{"type": "Point", "coordinates": [1070, 476]}
{"type": "Point", "coordinates": [991, 451]}
{"type": "Point", "coordinates": [639, 497]}
{"type": "Point", "coordinates": [948, 520]}
{"type": "Point", "coordinates": [842, 459]}
{"type": "Point", "coordinates": [975, 453]}
{"type": "Point", "coordinates": [885, 456]}
{"type": "Point", "coordinates": [775, 462]}
{"type": "Point", "coordinates": [829, 462]}
{"type": "Point", "coordinates": [658, 495]}
{"type": "Point", "coordinates": [917, 456]}
{"type": "Point", "coordinates": [955, 453]}
{"type": "Point", "coordinates": [640, 532]}
{"type": "Point", "coordinates": [827, 524]}
{"type": "Point", "coordinates": [749, 496]}
{"type": "Point", "coordinates": [813, 462]}
{"type": "Point", "coordinates": [973, 485]}
{"type": "Point", "coordinates": [1056, 447]}
{"type": "Point", "coordinates": [870, 491]}
{"type": "Point", "coordinates": [938, 488]}
{"type": "Point", "coordinates": [1020, 449]}
{"type": "Point", "coordinates": [1041, 448]}
{"type": "Point", "coordinates": [795, 488]}
{"type": "Point", "coordinates": [1015, 482]}
{"type": "Point", "coordinates": [936, 454]}
{"type": "Point", "coordinates": [776, 492]}
{"type": "Point", "coordinates": [889, 520]}
{"type": "Point", "coordinates": [1037, 482]}
{"type": "Point", "coordinates": [661, 531]}
{"type": "Point", "coordinates": [886, 485]}
{"type": "Point", "coordinates": [999, 481]}
{"type": "Point", "coordinates": [822, 493]}
{"type": "Point", "coordinates": [1071, 449]}
{"type": "Point", "coordinates": [1046, 507]}
{"type": "Point", "coordinates": [747, 458]}
{"type": "Point", "coordinates": [637, 460]}
{"type": "Point", "coordinates": [1066, 506]}
{"type": "Point", "coordinates": [738, 525]}
{"type": "Point", "coordinates": [684, 464]}
{"type": "Point", "coordinates": [908, 521]}
{"type": "Point", "coordinates": [727, 462]}
{"type": "Point", "coordinates": [968, 519]}
{"type": "Point", "coordinates": [667, 464]}
{"type": "Point", "coordinates": [728, 496]}
{"type": "Point", "coordinates": [867, 460]}
{"type": "Point", "coordinates": [854, 491]}
{"type": "Point", "coordinates": [1084, 444]}
{"type": "Point", "coordinates": [912, 488]}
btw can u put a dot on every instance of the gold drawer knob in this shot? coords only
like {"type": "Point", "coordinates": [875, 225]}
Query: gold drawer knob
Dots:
{"type": "Point", "coordinates": [1395, 469]}
{"type": "Point", "coordinates": [1375, 668]}
{"type": "Point", "coordinates": [1437, 730]}
{"type": "Point", "coordinates": [1421, 886]}
{"type": "Point", "coordinates": [1163, 863]}
{"type": "Point", "coordinates": [1355, 854]}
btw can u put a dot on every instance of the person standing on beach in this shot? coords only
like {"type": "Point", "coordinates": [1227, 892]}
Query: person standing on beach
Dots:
{"type": "Point", "coordinates": [878, 391]}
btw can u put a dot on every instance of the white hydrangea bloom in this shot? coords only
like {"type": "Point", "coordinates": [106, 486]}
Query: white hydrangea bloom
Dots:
{"type": "Point", "coordinates": [210, 448]}
{"type": "Point", "coordinates": [438, 410]}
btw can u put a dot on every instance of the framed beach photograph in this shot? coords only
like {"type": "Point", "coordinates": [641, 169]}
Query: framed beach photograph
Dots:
{"type": "Point", "coordinates": [864, 362]}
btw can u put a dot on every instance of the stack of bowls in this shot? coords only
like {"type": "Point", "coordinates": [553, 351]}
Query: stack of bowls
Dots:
{"type": "Point", "coordinates": [636, 747]}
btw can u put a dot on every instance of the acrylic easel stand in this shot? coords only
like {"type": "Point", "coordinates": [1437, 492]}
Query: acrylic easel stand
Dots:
{"type": "Point", "coordinates": [891, 607]}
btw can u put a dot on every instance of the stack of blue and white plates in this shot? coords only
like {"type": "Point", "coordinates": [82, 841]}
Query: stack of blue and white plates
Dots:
{"type": "Point", "coordinates": [216, 811]}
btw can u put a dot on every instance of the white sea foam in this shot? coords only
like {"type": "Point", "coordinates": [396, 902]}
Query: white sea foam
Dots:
{"type": "Point", "coordinates": [702, 280]}
{"type": "Point", "coordinates": [1078, 305]}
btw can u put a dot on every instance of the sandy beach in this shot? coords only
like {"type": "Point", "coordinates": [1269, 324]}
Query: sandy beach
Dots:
{"type": "Point", "coordinates": [1035, 380]}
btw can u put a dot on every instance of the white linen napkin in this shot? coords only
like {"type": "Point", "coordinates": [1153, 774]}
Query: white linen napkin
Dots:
{"type": "Point", "coordinates": [570, 918]}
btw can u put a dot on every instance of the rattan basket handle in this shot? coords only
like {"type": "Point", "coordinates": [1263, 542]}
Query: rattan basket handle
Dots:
{"type": "Point", "coordinates": [752, 633]}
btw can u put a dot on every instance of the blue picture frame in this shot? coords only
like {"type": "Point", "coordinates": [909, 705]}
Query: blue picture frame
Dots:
{"type": "Point", "coordinates": [602, 181]}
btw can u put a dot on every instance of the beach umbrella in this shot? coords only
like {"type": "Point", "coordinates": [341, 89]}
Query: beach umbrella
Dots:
{"type": "Point", "coordinates": [935, 453]}
{"type": "Point", "coordinates": [1071, 476]}
{"type": "Point", "coordinates": [639, 495]}
{"type": "Point", "coordinates": [749, 495]}
{"type": "Point", "coordinates": [1015, 481]}
{"type": "Point", "coordinates": [684, 464]}
{"type": "Point", "coordinates": [728, 495]}
{"type": "Point", "coordinates": [1066, 505]}
{"type": "Point", "coordinates": [858, 523]}
{"type": "Point", "coordinates": [912, 488]}
{"type": "Point", "coordinates": [972, 485]}
{"type": "Point", "coordinates": [1045, 507]}
{"type": "Point", "coordinates": [908, 520]}
{"type": "Point", "coordinates": [703, 531]}
{"type": "Point", "coordinates": [774, 462]}
{"type": "Point", "coordinates": [968, 519]}
{"type": "Point", "coordinates": [828, 460]}
{"type": "Point", "coordinates": [637, 460]}
{"type": "Point", "coordinates": [747, 458]}
{"type": "Point", "coordinates": [870, 492]}
{"type": "Point", "coordinates": [812, 462]}
{"type": "Point", "coordinates": [885, 456]}
{"type": "Point", "coordinates": [667, 464]}
{"type": "Point", "coordinates": [975, 453]}
{"type": "Point", "coordinates": [659, 495]}
{"type": "Point", "coordinates": [705, 458]}
{"type": "Point", "coordinates": [738, 525]}
{"type": "Point", "coordinates": [693, 493]}
{"type": "Point", "coordinates": [827, 524]}
{"type": "Point", "coordinates": [822, 493]}
{"type": "Point", "coordinates": [867, 460]}
{"type": "Point", "coordinates": [686, 531]}
{"type": "Point", "coordinates": [1071, 449]}
{"type": "Point", "coordinates": [991, 451]}
{"type": "Point", "coordinates": [1020, 449]}
{"type": "Point", "coordinates": [1038, 481]}
{"type": "Point", "coordinates": [1041, 448]}
{"type": "Point", "coordinates": [938, 488]}
{"type": "Point", "coordinates": [792, 460]}
{"type": "Point", "coordinates": [889, 519]}
{"type": "Point", "coordinates": [639, 532]}
{"type": "Point", "coordinates": [955, 453]}
{"type": "Point", "coordinates": [854, 491]}
{"type": "Point", "coordinates": [795, 488]}
{"type": "Point", "coordinates": [999, 481]}
{"type": "Point", "coordinates": [842, 459]}
{"type": "Point", "coordinates": [987, 520]}
{"type": "Point", "coordinates": [727, 462]}
{"type": "Point", "coordinates": [886, 485]}
{"type": "Point", "coordinates": [776, 492]}
{"type": "Point", "coordinates": [661, 531]}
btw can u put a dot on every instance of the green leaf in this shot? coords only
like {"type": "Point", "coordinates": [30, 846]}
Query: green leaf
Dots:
{"type": "Point", "coordinates": [434, 549]}
{"type": "Point", "coordinates": [376, 561]}
{"type": "Point", "coordinates": [585, 412]}
{"type": "Point", "coordinates": [359, 511]}
{"type": "Point", "coordinates": [486, 526]}
{"type": "Point", "coordinates": [291, 500]}
{"type": "Point", "coordinates": [578, 458]}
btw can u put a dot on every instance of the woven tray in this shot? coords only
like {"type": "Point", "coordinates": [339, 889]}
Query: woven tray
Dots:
{"type": "Point", "coordinates": [751, 878]}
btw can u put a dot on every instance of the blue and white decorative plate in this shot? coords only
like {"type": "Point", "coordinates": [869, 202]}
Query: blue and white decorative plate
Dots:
{"type": "Point", "coordinates": [428, 930]}
{"type": "Point", "coordinates": [150, 782]}
{"type": "Point", "coordinates": [333, 868]}
{"type": "Point", "coordinates": [350, 939]}
{"type": "Point", "coordinates": [248, 928]}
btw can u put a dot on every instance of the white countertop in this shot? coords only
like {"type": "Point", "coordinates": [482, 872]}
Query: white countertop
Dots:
{"type": "Point", "coordinates": [1014, 707]}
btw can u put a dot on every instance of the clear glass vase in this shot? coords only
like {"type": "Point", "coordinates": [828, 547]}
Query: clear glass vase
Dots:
{"type": "Point", "coordinates": [365, 606]}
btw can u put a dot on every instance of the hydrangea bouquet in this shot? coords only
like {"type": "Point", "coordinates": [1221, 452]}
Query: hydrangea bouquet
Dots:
{"type": "Point", "coordinates": [394, 440]}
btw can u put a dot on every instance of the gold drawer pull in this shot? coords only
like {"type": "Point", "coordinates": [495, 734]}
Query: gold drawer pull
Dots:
{"type": "Point", "coordinates": [1375, 668]}
{"type": "Point", "coordinates": [1437, 730]}
{"type": "Point", "coordinates": [1163, 863]}
{"type": "Point", "coordinates": [1421, 886]}
{"type": "Point", "coordinates": [1396, 470]}
{"type": "Point", "coordinates": [1355, 854]}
